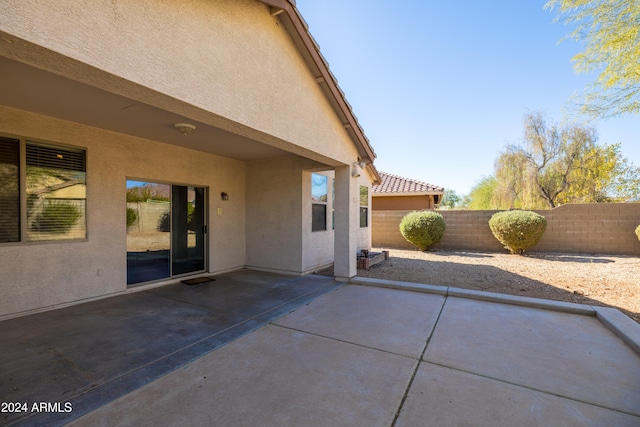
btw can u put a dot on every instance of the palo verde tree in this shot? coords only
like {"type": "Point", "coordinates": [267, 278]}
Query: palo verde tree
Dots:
{"type": "Point", "coordinates": [558, 164]}
{"type": "Point", "coordinates": [610, 31]}
{"type": "Point", "coordinates": [603, 176]}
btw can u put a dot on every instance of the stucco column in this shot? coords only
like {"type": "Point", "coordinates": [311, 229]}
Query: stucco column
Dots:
{"type": "Point", "coordinates": [346, 221]}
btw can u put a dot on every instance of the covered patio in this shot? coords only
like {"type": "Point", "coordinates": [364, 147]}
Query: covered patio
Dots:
{"type": "Point", "coordinates": [155, 161]}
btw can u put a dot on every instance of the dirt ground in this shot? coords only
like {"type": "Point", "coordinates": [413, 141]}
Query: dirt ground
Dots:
{"type": "Point", "coordinates": [603, 280]}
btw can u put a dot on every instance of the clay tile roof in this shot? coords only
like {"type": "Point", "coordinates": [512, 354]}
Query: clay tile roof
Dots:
{"type": "Point", "coordinates": [393, 184]}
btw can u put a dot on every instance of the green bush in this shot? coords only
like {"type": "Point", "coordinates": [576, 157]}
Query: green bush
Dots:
{"type": "Point", "coordinates": [518, 230]}
{"type": "Point", "coordinates": [638, 232]}
{"type": "Point", "coordinates": [57, 218]}
{"type": "Point", "coordinates": [422, 228]}
{"type": "Point", "coordinates": [132, 216]}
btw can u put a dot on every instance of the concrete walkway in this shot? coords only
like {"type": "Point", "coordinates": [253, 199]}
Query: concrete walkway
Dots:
{"type": "Point", "coordinates": [406, 355]}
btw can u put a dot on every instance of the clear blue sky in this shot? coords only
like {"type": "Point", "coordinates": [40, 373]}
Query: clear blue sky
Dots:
{"type": "Point", "coordinates": [441, 87]}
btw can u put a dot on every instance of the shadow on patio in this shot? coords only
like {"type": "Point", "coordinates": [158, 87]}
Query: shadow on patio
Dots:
{"type": "Point", "coordinates": [92, 353]}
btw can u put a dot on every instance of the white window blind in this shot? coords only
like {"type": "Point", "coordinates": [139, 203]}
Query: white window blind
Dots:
{"type": "Point", "coordinates": [56, 192]}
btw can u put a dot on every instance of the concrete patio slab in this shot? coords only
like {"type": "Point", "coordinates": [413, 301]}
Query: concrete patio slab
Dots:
{"type": "Point", "coordinates": [559, 353]}
{"type": "Point", "coordinates": [443, 397]}
{"type": "Point", "coordinates": [92, 353]}
{"type": "Point", "coordinates": [391, 320]}
{"type": "Point", "coordinates": [350, 355]}
{"type": "Point", "coordinates": [273, 377]}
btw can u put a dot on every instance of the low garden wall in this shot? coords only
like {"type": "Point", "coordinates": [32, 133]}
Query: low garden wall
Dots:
{"type": "Point", "coordinates": [580, 228]}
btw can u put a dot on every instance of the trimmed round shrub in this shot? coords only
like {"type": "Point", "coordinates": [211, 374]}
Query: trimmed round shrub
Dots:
{"type": "Point", "coordinates": [518, 230]}
{"type": "Point", "coordinates": [638, 232]}
{"type": "Point", "coordinates": [422, 228]}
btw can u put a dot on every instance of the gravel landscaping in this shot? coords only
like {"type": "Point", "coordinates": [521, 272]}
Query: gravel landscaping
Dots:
{"type": "Point", "coordinates": [603, 280]}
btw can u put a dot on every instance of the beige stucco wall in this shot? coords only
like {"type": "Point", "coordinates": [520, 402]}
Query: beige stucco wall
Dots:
{"type": "Point", "coordinates": [402, 203]}
{"type": "Point", "coordinates": [227, 57]}
{"type": "Point", "coordinates": [274, 219]}
{"type": "Point", "coordinates": [317, 245]}
{"type": "Point", "coordinates": [40, 275]}
{"type": "Point", "coordinates": [279, 235]}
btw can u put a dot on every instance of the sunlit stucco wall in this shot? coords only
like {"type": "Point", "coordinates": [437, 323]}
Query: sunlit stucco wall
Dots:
{"type": "Point", "coordinates": [230, 58]}
{"type": "Point", "coordinates": [279, 216]}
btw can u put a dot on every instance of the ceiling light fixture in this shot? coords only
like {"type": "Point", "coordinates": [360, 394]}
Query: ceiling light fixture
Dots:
{"type": "Point", "coordinates": [185, 128]}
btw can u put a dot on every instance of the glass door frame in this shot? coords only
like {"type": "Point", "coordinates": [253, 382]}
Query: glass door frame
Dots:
{"type": "Point", "coordinates": [166, 223]}
{"type": "Point", "coordinates": [195, 227]}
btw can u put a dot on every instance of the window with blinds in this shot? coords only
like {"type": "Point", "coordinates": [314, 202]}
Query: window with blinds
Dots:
{"type": "Point", "coordinates": [56, 192]}
{"type": "Point", "coordinates": [9, 190]}
{"type": "Point", "coordinates": [51, 203]}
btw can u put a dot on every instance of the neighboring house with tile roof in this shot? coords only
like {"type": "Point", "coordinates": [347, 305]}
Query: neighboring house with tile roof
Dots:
{"type": "Point", "coordinates": [399, 193]}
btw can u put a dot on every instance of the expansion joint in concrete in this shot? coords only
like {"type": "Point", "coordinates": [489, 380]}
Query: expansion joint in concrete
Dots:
{"type": "Point", "coordinates": [418, 364]}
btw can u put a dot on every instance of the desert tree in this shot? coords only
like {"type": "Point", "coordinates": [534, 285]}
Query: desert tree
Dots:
{"type": "Point", "coordinates": [450, 199]}
{"type": "Point", "coordinates": [481, 196]}
{"type": "Point", "coordinates": [558, 164]}
{"type": "Point", "coordinates": [610, 32]}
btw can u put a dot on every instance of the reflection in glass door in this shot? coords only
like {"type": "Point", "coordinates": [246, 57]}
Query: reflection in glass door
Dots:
{"type": "Point", "coordinates": [166, 231]}
{"type": "Point", "coordinates": [187, 229]}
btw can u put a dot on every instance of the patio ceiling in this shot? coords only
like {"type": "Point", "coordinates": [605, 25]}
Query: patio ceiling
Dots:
{"type": "Point", "coordinates": [31, 89]}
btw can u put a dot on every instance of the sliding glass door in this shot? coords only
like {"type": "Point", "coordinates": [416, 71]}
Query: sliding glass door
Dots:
{"type": "Point", "coordinates": [166, 230]}
{"type": "Point", "coordinates": [187, 229]}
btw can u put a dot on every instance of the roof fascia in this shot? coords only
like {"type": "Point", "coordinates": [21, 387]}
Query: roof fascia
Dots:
{"type": "Point", "coordinates": [299, 31]}
{"type": "Point", "coordinates": [421, 193]}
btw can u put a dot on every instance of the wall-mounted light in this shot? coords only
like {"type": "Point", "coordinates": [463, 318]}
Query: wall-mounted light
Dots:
{"type": "Point", "coordinates": [185, 128]}
{"type": "Point", "coordinates": [224, 196]}
{"type": "Point", "coordinates": [356, 168]}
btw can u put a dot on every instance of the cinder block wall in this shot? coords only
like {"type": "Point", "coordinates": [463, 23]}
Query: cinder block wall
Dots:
{"type": "Point", "coordinates": [385, 232]}
{"type": "Point", "coordinates": [592, 228]}
{"type": "Point", "coordinates": [468, 230]}
{"type": "Point", "coordinates": [580, 228]}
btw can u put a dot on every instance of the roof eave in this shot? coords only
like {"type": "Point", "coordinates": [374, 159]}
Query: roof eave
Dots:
{"type": "Point", "coordinates": [298, 29]}
{"type": "Point", "coordinates": [415, 193]}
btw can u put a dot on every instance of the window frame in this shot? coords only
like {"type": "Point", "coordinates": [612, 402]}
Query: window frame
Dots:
{"type": "Point", "coordinates": [12, 200]}
{"type": "Point", "coordinates": [24, 238]}
{"type": "Point", "coordinates": [364, 207]}
{"type": "Point", "coordinates": [319, 205]}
